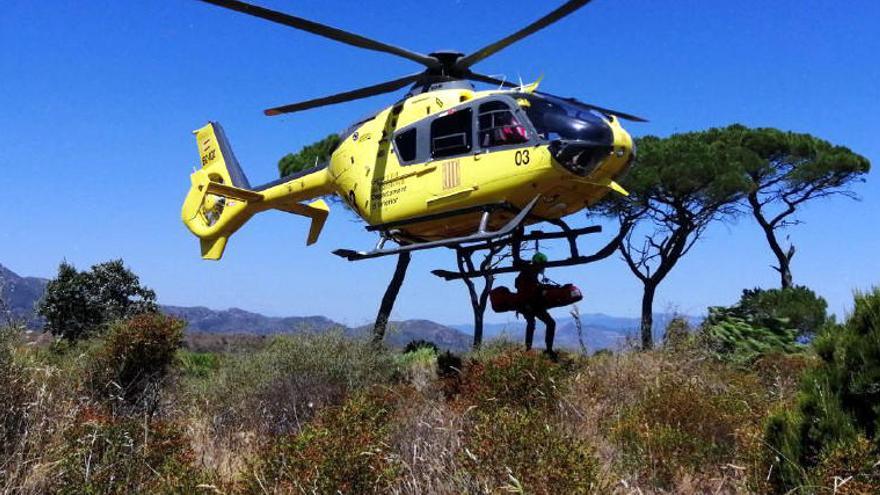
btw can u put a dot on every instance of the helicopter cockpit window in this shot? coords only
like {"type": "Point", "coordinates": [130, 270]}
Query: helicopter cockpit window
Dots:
{"type": "Point", "coordinates": [555, 118]}
{"type": "Point", "coordinates": [451, 134]}
{"type": "Point", "coordinates": [499, 127]}
{"type": "Point", "coordinates": [405, 142]}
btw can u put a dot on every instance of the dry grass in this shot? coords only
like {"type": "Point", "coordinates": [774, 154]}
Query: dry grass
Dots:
{"type": "Point", "coordinates": [68, 440]}
{"type": "Point", "coordinates": [428, 438]}
{"type": "Point", "coordinates": [44, 400]}
{"type": "Point", "coordinates": [674, 420]}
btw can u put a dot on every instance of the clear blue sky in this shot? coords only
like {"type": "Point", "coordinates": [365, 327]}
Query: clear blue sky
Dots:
{"type": "Point", "coordinates": [98, 98]}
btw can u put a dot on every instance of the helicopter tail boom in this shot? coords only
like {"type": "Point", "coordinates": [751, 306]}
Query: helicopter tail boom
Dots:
{"type": "Point", "coordinates": [221, 200]}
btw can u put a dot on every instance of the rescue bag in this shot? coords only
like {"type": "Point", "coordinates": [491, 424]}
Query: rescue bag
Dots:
{"type": "Point", "coordinates": [503, 300]}
{"type": "Point", "coordinates": [552, 296]}
{"type": "Point", "coordinates": [556, 296]}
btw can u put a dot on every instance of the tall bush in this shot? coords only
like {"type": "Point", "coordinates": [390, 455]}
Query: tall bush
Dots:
{"type": "Point", "coordinates": [741, 340]}
{"type": "Point", "coordinates": [839, 400]}
{"type": "Point", "coordinates": [345, 450]}
{"type": "Point", "coordinates": [764, 322]}
{"type": "Point", "coordinates": [800, 307]}
{"type": "Point", "coordinates": [121, 455]}
{"type": "Point", "coordinates": [135, 357]}
{"type": "Point", "coordinates": [77, 304]}
{"type": "Point", "coordinates": [280, 388]}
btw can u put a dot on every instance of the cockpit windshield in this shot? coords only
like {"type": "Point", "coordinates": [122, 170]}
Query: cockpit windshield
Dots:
{"type": "Point", "coordinates": [555, 118]}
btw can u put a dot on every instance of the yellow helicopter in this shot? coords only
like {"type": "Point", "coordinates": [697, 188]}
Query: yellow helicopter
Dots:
{"type": "Point", "coordinates": [445, 166]}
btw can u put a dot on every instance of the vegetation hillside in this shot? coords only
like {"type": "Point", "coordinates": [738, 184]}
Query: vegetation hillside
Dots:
{"type": "Point", "coordinates": [131, 410]}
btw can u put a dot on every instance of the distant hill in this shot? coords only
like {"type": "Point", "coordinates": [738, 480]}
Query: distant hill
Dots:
{"type": "Point", "coordinates": [599, 331]}
{"type": "Point", "coordinates": [234, 320]}
{"type": "Point", "coordinates": [21, 295]}
{"type": "Point", "coordinates": [400, 333]}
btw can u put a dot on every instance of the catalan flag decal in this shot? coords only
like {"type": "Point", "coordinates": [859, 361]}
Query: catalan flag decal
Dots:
{"type": "Point", "coordinates": [451, 175]}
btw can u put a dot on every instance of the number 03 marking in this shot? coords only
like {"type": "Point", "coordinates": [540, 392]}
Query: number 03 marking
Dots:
{"type": "Point", "coordinates": [521, 157]}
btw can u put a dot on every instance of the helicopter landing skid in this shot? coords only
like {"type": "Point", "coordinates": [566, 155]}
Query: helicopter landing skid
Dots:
{"type": "Point", "coordinates": [468, 270]}
{"type": "Point", "coordinates": [481, 235]}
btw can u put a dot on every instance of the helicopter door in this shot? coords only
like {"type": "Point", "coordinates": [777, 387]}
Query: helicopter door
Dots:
{"type": "Point", "coordinates": [451, 145]}
{"type": "Point", "coordinates": [498, 128]}
{"type": "Point", "coordinates": [503, 140]}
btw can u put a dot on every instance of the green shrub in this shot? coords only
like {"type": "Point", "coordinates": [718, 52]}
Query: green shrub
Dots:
{"type": "Point", "coordinates": [839, 399]}
{"type": "Point", "coordinates": [344, 450]}
{"type": "Point", "coordinates": [514, 378]}
{"type": "Point", "coordinates": [78, 304]}
{"type": "Point", "coordinates": [784, 452]}
{"type": "Point", "coordinates": [522, 449]}
{"type": "Point", "coordinates": [680, 424]}
{"type": "Point", "coordinates": [279, 388]}
{"type": "Point", "coordinates": [134, 358]}
{"type": "Point", "coordinates": [741, 340]}
{"type": "Point", "coordinates": [198, 364]}
{"type": "Point", "coordinates": [798, 306]}
{"type": "Point", "coordinates": [418, 367]}
{"type": "Point", "coordinates": [764, 321]}
{"type": "Point", "coordinates": [125, 455]}
{"type": "Point", "coordinates": [418, 356]}
{"type": "Point", "coordinates": [416, 345]}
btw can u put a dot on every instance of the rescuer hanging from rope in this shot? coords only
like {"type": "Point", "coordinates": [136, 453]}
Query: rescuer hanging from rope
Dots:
{"type": "Point", "coordinates": [531, 302]}
{"type": "Point", "coordinates": [535, 295]}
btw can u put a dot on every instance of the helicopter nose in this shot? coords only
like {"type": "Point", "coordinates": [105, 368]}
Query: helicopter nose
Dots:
{"type": "Point", "coordinates": [580, 156]}
{"type": "Point", "coordinates": [582, 142]}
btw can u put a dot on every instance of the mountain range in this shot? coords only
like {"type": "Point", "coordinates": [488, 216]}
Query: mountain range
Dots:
{"type": "Point", "coordinates": [597, 330]}
{"type": "Point", "coordinates": [18, 295]}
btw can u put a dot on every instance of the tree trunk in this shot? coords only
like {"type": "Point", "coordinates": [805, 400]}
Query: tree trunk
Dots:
{"type": "Point", "coordinates": [784, 270]}
{"type": "Point", "coordinates": [648, 315]}
{"type": "Point", "coordinates": [389, 297]}
{"type": "Point", "coordinates": [478, 326]}
{"type": "Point", "coordinates": [480, 309]}
{"type": "Point", "coordinates": [782, 257]}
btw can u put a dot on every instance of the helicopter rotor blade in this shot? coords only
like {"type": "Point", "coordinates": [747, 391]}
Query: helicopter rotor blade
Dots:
{"type": "Point", "coordinates": [324, 30]}
{"type": "Point", "coordinates": [590, 106]}
{"type": "Point", "coordinates": [356, 94]}
{"type": "Point", "coordinates": [474, 76]}
{"type": "Point", "coordinates": [532, 28]}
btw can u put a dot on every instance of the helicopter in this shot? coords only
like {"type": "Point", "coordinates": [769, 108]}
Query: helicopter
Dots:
{"type": "Point", "coordinates": [445, 166]}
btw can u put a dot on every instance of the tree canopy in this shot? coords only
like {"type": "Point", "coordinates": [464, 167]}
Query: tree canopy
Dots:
{"type": "Point", "coordinates": [764, 322]}
{"type": "Point", "coordinates": [783, 171]}
{"type": "Point", "coordinates": [800, 307]}
{"type": "Point", "coordinates": [76, 304]}
{"type": "Point", "coordinates": [839, 401]}
{"type": "Point", "coordinates": [309, 156]}
{"type": "Point", "coordinates": [682, 183]}
{"type": "Point", "coordinates": [678, 186]}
